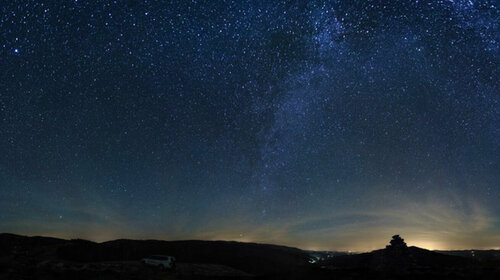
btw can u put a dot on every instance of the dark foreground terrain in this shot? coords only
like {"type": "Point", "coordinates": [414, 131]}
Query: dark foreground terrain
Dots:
{"type": "Point", "coordinates": [23, 257]}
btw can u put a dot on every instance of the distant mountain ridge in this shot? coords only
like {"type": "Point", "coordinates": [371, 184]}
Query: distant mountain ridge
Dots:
{"type": "Point", "coordinates": [249, 257]}
{"type": "Point", "coordinates": [397, 257]}
{"type": "Point", "coordinates": [473, 254]}
{"type": "Point", "coordinates": [23, 257]}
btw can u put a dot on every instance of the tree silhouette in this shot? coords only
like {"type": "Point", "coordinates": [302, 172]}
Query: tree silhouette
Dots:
{"type": "Point", "coordinates": [397, 242]}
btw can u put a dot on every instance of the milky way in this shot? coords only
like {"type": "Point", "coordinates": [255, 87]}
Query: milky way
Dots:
{"type": "Point", "coordinates": [323, 126]}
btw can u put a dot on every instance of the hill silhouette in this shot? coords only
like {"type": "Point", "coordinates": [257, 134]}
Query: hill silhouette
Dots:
{"type": "Point", "coordinates": [398, 260]}
{"type": "Point", "coordinates": [398, 257]}
{"type": "Point", "coordinates": [23, 257]}
{"type": "Point", "coordinates": [22, 254]}
{"type": "Point", "coordinates": [251, 257]}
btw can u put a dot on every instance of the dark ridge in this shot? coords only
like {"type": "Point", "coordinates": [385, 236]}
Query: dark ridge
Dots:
{"type": "Point", "coordinates": [398, 257]}
{"type": "Point", "coordinates": [480, 255]}
{"type": "Point", "coordinates": [41, 258]}
{"type": "Point", "coordinates": [11, 243]}
{"type": "Point", "coordinates": [254, 258]}
{"type": "Point", "coordinates": [249, 257]}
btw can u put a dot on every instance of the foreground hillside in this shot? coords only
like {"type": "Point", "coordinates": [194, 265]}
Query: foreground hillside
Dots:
{"type": "Point", "coordinates": [398, 261]}
{"type": "Point", "coordinates": [45, 258]}
{"type": "Point", "coordinates": [24, 257]}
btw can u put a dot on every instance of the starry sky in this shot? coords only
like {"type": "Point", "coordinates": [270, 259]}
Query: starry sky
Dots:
{"type": "Point", "coordinates": [321, 125]}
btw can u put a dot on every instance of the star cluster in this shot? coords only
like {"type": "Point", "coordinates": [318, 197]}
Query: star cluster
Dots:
{"type": "Point", "coordinates": [306, 123]}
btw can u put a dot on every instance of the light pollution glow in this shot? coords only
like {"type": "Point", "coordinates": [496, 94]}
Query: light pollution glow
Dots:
{"type": "Point", "coordinates": [328, 125]}
{"type": "Point", "coordinates": [432, 224]}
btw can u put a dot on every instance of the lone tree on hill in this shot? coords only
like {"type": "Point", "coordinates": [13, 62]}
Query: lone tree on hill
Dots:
{"type": "Point", "coordinates": [397, 242]}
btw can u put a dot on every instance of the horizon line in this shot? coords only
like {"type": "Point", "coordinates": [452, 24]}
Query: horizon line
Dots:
{"type": "Point", "coordinates": [237, 241]}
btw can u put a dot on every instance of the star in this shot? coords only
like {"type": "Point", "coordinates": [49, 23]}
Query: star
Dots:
{"type": "Point", "coordinates": [304, 123]}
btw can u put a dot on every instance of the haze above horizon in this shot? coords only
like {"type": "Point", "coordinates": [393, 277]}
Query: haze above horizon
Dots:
{"type": "Point", "coordinates": [308, 124]}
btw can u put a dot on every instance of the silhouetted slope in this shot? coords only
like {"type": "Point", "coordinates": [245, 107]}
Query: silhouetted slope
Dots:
{"type": "Point", "coordinates": [34, 247]}
{"type": "Point", "coordinates": [253, 258]}
{"type": "Point", "coordinates": [474, 254]}
{"type": "Point", "coordinates": [42, 258]}
{"type": "Point", "coordinates": [10, 242]}
{"type": "Point", "coordinates": [385, 259]}
{"type": "Point", "coordinates": [250, 257]}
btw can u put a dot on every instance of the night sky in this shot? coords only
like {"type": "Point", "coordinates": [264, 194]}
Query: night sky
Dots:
{"type": "Point", "coordinates": [309, 124]}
